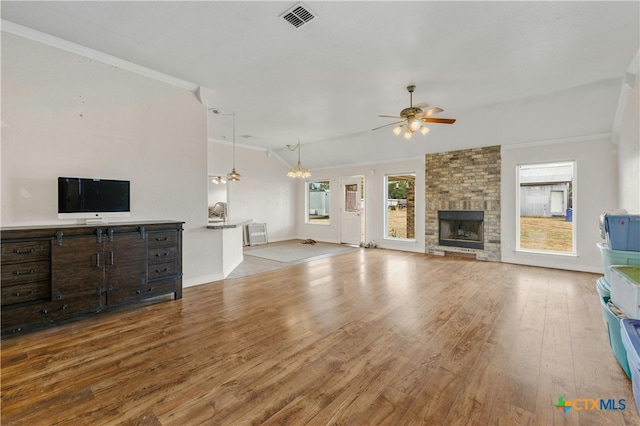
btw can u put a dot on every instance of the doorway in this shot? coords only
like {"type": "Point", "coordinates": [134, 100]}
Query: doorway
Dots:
{"type": "Point", "coordinates": [352, 209]}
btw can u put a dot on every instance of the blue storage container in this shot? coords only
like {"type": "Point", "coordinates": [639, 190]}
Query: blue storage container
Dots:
{"type": "Point", "coordinates": [630, 330]}
{"type": "Point", "coordinates": [623, 232]}
{"type": "Point", "coordinates": [616, 257]}
{"type": "Point", "coordinates": [569, 216]}
{"type": "Point", "coordinates": [615, 338]}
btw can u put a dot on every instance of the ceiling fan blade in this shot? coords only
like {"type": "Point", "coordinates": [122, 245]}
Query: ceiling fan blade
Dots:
{"type": "Point", "coordinates": [389, 116]}
{"type": "Point", "coordinates": [439, 120]}
{"type": "Point", "coordinates": [390, 124]}
{"type": "Point", "coordinates": [429, 112]}
{"type": "Point", "coordinates": [421, 105]}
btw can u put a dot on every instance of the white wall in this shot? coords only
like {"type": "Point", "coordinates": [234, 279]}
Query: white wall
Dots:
{"type": "Point", "coordinates": [595, 191]}
{"type": "Point", "coordinates": [375, 204]}
{"type": "Point", "coordinates": [66, 115]}
{"type": "Point", "coordinates": [629, 150]}
{"type": "Point", "coordinates": [264, 194]}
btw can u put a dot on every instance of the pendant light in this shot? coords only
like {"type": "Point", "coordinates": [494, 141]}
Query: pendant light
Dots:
{"type": "Point", "coordinates": [234, 176]}
{"type": "Point", "coordinates": [297, 172]}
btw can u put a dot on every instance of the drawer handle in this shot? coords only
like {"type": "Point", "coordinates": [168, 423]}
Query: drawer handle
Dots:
{"type": "Point", "coordinates": [162, 239]}
{"type": "Point", "coordinates": [162, 270]}
{"type": "Point", "coordinates": [17, 294]}
{"type": "Point", "coordinates": [64, 307]}
{"type": "Point", "coordinates": [140, 291]}
{"type": "Point", "coordinates": [31, 271]}
{"type": "Point", "coordinates": [30, 251]}
{"type": "Point", "coordinates": [165, 254]}
{"type": "Point", "coordinates": [45, 311]}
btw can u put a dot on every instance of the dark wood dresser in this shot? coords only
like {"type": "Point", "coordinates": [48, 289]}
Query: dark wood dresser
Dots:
{"type": "Point", "coordinates": [51, 274]}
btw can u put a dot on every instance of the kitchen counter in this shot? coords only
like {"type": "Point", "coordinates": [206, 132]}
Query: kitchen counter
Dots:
{"type": "Point", "coordinates": [229, 223]}
{"type": "Point", "coordinates": [228, 239]}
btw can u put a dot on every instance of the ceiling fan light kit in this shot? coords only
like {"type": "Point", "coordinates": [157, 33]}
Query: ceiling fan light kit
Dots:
{"type": "Point", "coordinates": [413, 117]}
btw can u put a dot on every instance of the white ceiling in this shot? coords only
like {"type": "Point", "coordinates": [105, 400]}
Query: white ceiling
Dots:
{"type": "Point", "coordinates": [509, 72]}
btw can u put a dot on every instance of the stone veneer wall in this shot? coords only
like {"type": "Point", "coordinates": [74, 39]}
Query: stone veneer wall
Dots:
{"type": "Point", "coordinates": [468, 179]}
{"type": "Point", "coordinates": [411, 210]}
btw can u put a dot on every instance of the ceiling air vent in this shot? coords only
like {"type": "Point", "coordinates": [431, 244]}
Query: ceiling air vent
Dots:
{"type": "Point", "coordinates": [298, 15]}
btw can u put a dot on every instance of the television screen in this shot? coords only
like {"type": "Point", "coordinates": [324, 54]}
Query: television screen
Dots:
{"type": "Point", "coordinates": [82, 195]}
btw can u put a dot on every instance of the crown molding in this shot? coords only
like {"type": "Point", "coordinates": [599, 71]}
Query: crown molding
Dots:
{"type": "Point", "coordinates": [49, 40]}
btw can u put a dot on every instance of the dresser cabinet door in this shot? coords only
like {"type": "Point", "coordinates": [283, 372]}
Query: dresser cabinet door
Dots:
{"type": "Point", "coordinates": [77, 271]}
{"type": "Point", "coordinates": [125, 268]}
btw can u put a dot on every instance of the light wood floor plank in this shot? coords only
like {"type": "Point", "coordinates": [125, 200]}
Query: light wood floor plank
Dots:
{"type": "Point", "coordinates": [363, 338]}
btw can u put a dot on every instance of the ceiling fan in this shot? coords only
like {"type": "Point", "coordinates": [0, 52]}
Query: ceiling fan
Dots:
{"type": "Point", "coordinates": [414, 116]}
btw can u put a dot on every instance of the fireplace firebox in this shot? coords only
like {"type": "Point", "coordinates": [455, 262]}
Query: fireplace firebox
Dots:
{"type": "Point", "coordinates": [461, 228]}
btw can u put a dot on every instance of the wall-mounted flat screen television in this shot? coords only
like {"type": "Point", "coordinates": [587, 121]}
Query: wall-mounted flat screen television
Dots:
{"type": "Point", "coordinates": [86, 198]}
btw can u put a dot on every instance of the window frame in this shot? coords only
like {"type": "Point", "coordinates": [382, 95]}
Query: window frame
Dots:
{"type": "Point", "coordinates": [307, 217]}
{"type": "Point", "coordinates": [572, 196]}
{"type": "Point", "coordinates": [385, 224]}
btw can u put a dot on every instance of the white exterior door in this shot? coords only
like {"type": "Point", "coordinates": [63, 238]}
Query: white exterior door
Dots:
{"type": "Point", "coordinates": [557, 203]}
{"type": "Point", "coordinates": [351, 211]}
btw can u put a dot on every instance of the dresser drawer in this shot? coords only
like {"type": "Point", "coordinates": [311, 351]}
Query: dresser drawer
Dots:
{"type": "Point", "coordinates": [28, 251]}
{"type": "Point", "coordinates": [161, 239]}
{"type": "Point", "coordinates": [127, 296]}
{"type": "Point", "coordinates": [163, 254]}
{"type": "Point", "coordinates": [19, 273]}
{"type": "Point", "coordinates": [26, 292]}
{"type": "Point", "coordinates": [161, 270]}
{"type": "Point", "coordinates": [17, 319]}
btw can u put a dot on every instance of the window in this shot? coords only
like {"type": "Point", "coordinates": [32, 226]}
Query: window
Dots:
{"type": "Point", "coordinates": [546, 219]}
{"type": "Point", "coordinates": [400, 218]}
{"type": "Point", "coordinates": [318, 196]}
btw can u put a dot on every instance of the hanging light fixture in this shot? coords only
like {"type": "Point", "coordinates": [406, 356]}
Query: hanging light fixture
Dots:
{"type": "Point", "coordinates": [218, 180]}
{"type": "Point", "coordinates": [234, 176]}
{"type": "Point", "coordinates": [297, 172]}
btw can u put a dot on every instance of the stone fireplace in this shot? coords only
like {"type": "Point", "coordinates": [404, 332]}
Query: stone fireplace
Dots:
{"type": "Point", "coordinates": [466, 182]}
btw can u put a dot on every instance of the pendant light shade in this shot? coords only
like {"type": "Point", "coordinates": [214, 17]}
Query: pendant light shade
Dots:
{"type": "Point", "coordinates": [297, 172]}
{"type": "Point", "coordinates": [234, 176]}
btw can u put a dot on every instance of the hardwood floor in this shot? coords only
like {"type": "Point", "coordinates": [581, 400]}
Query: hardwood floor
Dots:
{"type": "Point", "coordinates": [368, 337]}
